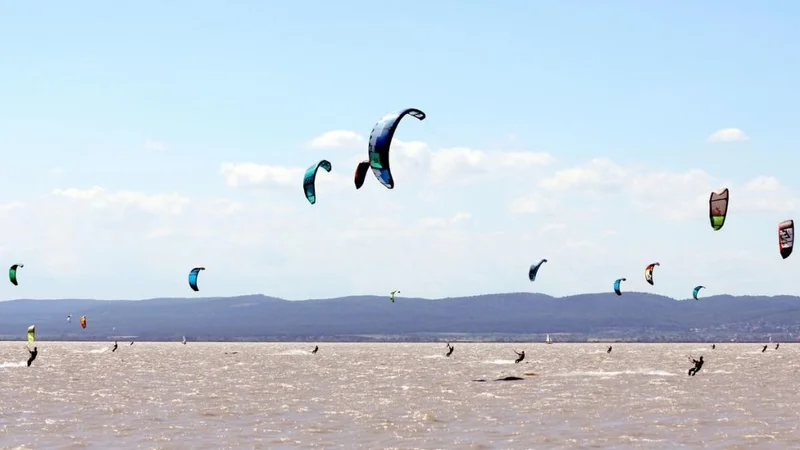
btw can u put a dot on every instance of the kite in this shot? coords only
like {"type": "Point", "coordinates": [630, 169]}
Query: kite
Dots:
{"type": "Point", "coordinates": [696, 290]}
{"type": "Point", "coordinates": [361, 173]}
{"type": "Point", "coordinates": [31, 334]}
{"type": "Point", "coordinates": [83, 321]}
{"type": "Point", "coordinates": [534, 269]}
{"type": "Point", "coordinates": [12, 273]}
{"type": "Point", "coordinates": [380, 139]}
{"type": "Point", "coordinates": [718, 208]}
{"type": "Point", "coordinates": [648, 272]}
{"type": "Point", "coordinates": [310, 179]}
{"type": "Point", "coordinates": [617, 285]}
{"type": "Point", "coordinates": [786, 237]}
{"type": "Point", "coordinates": [193, 277]}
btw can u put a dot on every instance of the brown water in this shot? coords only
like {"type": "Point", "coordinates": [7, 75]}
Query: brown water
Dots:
{"type": "Point", "coordinates": [273, 396]}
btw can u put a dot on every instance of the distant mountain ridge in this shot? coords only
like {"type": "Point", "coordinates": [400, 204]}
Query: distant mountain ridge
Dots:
{"type": "Point", "coordinates": [491, 317]}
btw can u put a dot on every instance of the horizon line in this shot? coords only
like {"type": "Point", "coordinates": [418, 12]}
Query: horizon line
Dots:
{"type": "Point", "coordinates": [401, 298]}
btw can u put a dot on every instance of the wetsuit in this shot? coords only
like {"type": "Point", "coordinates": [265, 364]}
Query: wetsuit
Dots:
{"type": "Point", "coordinates": [450, 352]}
{"type": "Point", "coordinates": [115, 347]}
{"type": "Point", "coordinates": [609, 349]}
{"type": "Point", "coordinates": [698, 364]}
{"type": "Point", "coordinates": [764, 349]}
{"type": "Point", "coordinates": [33, 353]}
{"type": "Point", "coordinates": [521, 357]}
{"type": "Point", "coordinates": [314, 352]}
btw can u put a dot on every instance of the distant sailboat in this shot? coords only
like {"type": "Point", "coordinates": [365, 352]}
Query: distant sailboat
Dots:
{"type": "Point", "coordinates": [548, 340]}
{"type": "Point", "coordinates": [184, 340]}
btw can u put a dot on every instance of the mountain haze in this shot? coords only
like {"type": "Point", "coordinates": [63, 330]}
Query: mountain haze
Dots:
{"type": "Point", "coordinates": [520, 316]}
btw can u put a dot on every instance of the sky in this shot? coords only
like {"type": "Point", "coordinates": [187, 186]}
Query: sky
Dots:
{"type": "Point", "coordinates": [142, 139]}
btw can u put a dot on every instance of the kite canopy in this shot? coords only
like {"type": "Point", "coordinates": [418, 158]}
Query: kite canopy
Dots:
{"type": "Point", "coordinates": [534, 269]}
{"type": "Point", "coordinates": [696, 290]}
{"type": "Point", "coordinates": [193, 277]}
{"type": "Point", "coordinates": [380, 139]}
{"type": "Point", "coordinates": [718, 208]}
{"type": "Point", "coordinates": [361, 173]}
{"type": "Point", "coordinates": [617, 284]}
{"type": "Point", "coordinates": [12, 273]}
{"type": "Point", "coordinates": [648, 272]}
{"type": "Point", "coordinates": [786, 237]}
{"type": "Point", "coordinates": [31, 334]}
{"type": "Point", "coordinates": [83, 321]}
{"type": "Point", "coordinates": [309, 180]}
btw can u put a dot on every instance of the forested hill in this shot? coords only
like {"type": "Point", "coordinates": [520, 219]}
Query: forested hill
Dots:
{"type": "Point", "coordinates": [486, 317]}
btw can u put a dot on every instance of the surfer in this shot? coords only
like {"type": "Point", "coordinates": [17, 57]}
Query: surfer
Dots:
{"type": "Point", "coordinates": [521, 356]}
{"type": "Point", "coordinates": [609, 349]}
{"type": "Point", "coordinates": [131, 342]}
{"type": "Point", "coordinates": [777, 345]}
{"type": "Point", "coordinates": [764, 349]}
{"type": "Point", "coordinates": [115, 347]}
{"type": "Point", "coordinates": [33, 353]}
{"type": "Point", "coordinates": [450, 350]}
{"type": "Point", "coordinates": [314, 352]}
{"type": "Point", "coordinates": [698, 364]}
{"type": "Point", "coordinates": [713, 346]}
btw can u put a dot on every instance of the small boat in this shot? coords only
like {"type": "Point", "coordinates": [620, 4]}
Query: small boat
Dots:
{"type": "Point", "coordinates": [548, 340]}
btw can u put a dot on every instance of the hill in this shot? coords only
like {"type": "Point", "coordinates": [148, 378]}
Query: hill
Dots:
{"type": "Point", "coordinates": [494, 317]}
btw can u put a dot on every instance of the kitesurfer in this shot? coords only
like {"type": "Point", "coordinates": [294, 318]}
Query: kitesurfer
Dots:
{"type": "Point", "coordinates": [131, 342]}
{"type": "Point", "coordinates": [777, 345]}
{"type": "Point", "coordinates": [609, 349]}
{"type": "Point", "coordinates": [521, 356]}
{"type": "Point", "coordinates": [314, 352]}
{"type": "Point", "coordinates": [115, 347]}
{"type": "Point", "coordinates": [764, 349]}
{"type": "Point", "coordinates": [450, 350]}
{"type": "Point", "coordinates": [713, 346]}
{"type": "Point", "coordinates": [33, 353]}
{"type": "Point", "coordinates": [698, 364]}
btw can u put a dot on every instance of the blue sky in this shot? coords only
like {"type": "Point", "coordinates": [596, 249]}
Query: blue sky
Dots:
{"type": "Point", "coordinates": [143, 139]}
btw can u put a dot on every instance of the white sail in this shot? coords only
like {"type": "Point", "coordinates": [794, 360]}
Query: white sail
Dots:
{"type": "Point", "coordinates": [548, 340]}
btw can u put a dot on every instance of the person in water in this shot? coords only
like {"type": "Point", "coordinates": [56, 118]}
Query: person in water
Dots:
{"type": "Point", "coordinates": [698, 364]}
{"type": "Point", "coordinates": [33, 353]}
{"type": "Point", "coordinates": [521, 356]}
{"type": "Point", "coordinates": [764, 349]}
{"type": "Point", "coordinates": [450, 350]}
{"type": "Point", "coordinates": [131, 342]}
{"type": "Point", "coordinates": [609, 349]}
{"type": "Point", "coordinates": [115, 347]}
{"type": "Point", "coordinates": [314, 352]}
{"type": "Point", "coordinates": [713, 346]}
{"type": "Point", "coordinates": [777, 345]}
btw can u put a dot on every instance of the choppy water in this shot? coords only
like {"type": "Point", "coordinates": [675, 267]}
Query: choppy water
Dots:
{"type": "Point", "coordinates": [171, 396]}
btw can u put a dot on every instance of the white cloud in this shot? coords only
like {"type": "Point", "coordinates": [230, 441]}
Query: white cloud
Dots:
{"type": "Point", "coordinates": [445, 222]}
{"type": "Point", "coordinates": [414, 161]}
{"type": "Point", "coordinates": [99, 198]}
{"type": "Point", "coordinates": [599, 174]}
{"type": "Point", "coordinates": [461, 163]}
{"type": "Point", "coordinates": [157, 146]}
{"type": "Point", "coordinates": [455, 211]}
{"type": "Point", "coordinates": [252, 174]}
{"type": "Point", "coordinates": [728, 135]}
{"type": "Point", "coordinates": [338, 139]}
